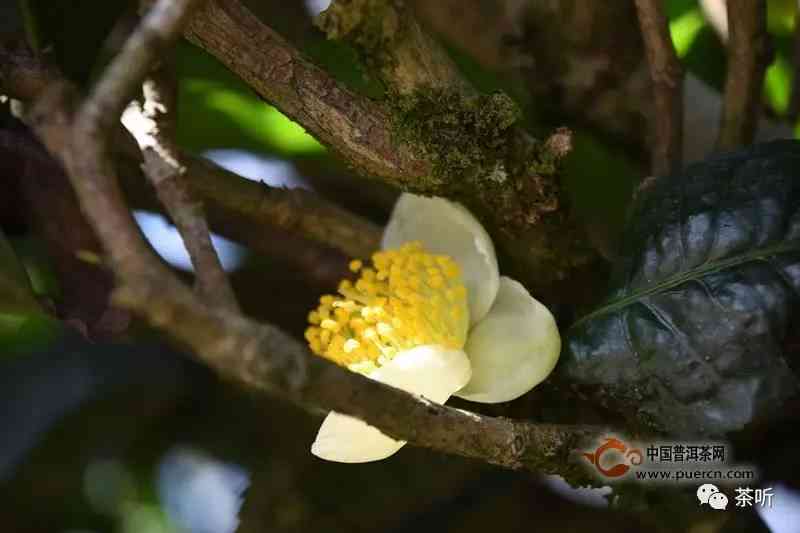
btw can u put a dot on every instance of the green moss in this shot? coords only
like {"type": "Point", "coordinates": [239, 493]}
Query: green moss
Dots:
{"type": "Point", "coordinates": [370, 26]}
{"type": "Point", "coordinates": [463, 136]}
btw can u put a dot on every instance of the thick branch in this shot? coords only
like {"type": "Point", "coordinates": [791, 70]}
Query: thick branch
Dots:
{"type": "Point", "coordinates": [391, 41]}
{"type": "Point", "coordinates": [266, 359]}
{"type": "Point", "coordinates": [748, 56]}
{"type": "Point", "coordinates": [261, 356]}
{"type": "Point", "coordinates": [667, 76]}
{"type": "Point", "coordinates": [440, 142]}
{"type": "Point", "coordinates": [356, 127]}
{"type": "Point", "coordinates": [166, 170]}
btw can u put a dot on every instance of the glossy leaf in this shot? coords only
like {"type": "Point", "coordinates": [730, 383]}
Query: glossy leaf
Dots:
{"type": "Point", "coordinates": [690, 340]}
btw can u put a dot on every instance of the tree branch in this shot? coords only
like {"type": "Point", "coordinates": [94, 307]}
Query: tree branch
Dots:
{"type": "Point", "coordinates": [266, 359]}
{"type": "Point", "coordinates": [86, 153]}
{"type": "Point", "coordinates": [405, 57]}
{"type": "Point", "coordinates": [261, 356]}
{"type": "Point", "coordinates": [748, 56]}
{"type": "Point", "coordinates": [508, 179]}
{"type": "Point", "coordinates": [667, 75]}
{"type": "Point", "coordinates": [355, 127]}
{"type": "Point", "coordinates": [296, 211]}
{"type": "Point", "coordinates": [164, 167]}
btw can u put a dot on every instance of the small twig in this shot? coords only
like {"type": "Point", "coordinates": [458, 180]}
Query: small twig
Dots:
{"type": "Point", "coordinates": [298, 212]}
{"type": "Point", "coordinates": [86, 158]}
{"type": "Point", "coordinates": [165, 169]}
{"type": "Point", "coordinates": [667, 76]}
{"type": "Point", "coordinates": [748, 56]}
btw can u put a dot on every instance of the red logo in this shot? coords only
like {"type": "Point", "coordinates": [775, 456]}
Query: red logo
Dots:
{"type": "Point", "coordinates": [614, 447]}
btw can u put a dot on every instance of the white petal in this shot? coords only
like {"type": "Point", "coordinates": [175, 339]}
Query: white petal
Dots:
{"type": "Point", "coordinates": [448, 228]}
{"type": "Point", "coordinates": [430, 371]}
{"type": "Point", "coordinates": [345, 439]}
{"type": "Point", "coordinates": [513, 349]}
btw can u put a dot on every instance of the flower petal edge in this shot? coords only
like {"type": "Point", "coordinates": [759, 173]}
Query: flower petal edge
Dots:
{"type": "Point", "coordinates": [446, 227]}
{"type": "Point", "coordinates": [431, 371]}
{"type": "Point", "coordinates": [513, 349]}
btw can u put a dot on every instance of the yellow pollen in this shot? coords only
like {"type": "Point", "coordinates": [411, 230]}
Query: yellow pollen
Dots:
{"type": "Point", "coordinates": [350, 345]}
{"type": "Point", "coordinates": [407, 298]}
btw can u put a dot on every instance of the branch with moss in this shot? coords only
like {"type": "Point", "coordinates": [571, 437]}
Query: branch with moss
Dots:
{"type": "Point", "coordinates": [260, 356]}
{"type": "Point", "coordinates": [427, 137]}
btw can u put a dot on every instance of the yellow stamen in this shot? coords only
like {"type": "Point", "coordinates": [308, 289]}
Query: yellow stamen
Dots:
{"type": "Point", "coordinates": [408, 298]}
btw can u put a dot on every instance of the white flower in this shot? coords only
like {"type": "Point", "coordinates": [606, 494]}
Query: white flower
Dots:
{"type": "Point", "coordinates": [434, 318]}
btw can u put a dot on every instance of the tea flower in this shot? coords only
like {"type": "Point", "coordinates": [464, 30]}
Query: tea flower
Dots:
{"type": "Point", "coordinates": [431, 316]}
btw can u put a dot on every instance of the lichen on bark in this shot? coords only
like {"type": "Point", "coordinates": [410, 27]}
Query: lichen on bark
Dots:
{"type": "Point", "coordinates": [466, 137]}
{"type": "Point", "coordinates": [474, 148]}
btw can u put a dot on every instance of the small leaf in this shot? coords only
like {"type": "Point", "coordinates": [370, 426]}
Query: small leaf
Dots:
{"type": "Point", "coordinates": [689, 341]}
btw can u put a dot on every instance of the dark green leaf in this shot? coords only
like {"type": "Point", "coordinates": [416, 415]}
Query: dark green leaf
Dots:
{"type": "Point", "coordinates": [690, 340]}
